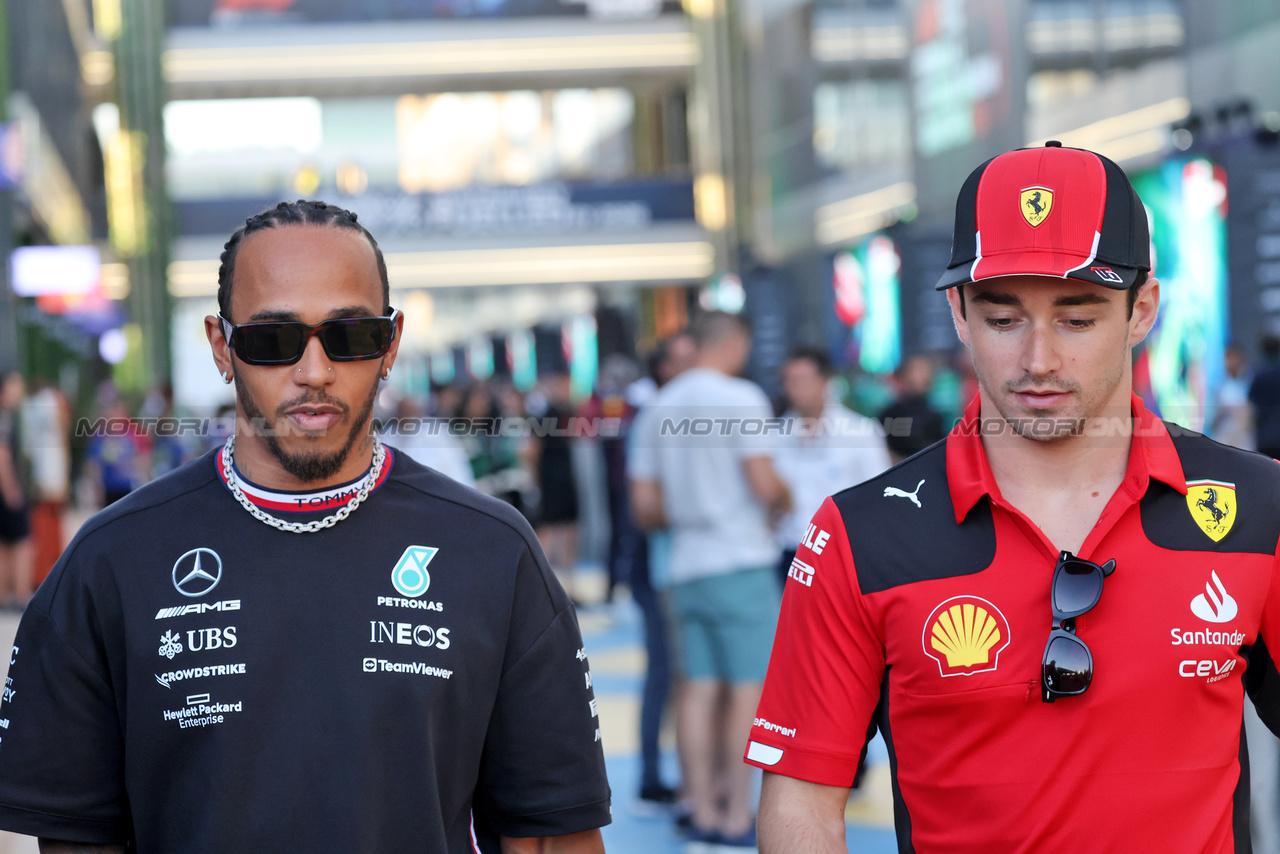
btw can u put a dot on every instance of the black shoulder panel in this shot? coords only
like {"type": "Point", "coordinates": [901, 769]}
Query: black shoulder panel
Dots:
{"type": "Point", "coordinates": [896, 541]}
{"type": "Point", "coordinates": [1254, 511]}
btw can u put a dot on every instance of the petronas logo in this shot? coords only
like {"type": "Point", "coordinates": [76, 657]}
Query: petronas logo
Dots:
{"type": "Point", "coordinates": [410, 575]}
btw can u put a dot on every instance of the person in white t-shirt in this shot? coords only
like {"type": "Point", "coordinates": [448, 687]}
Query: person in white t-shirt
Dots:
{"type": "Point", "coordinates": [700, 466]}
{"type": "Point", "coordinates": [826, 447]}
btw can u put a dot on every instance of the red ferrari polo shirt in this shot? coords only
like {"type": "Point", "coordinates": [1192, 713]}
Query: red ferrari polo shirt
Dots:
{"type": "Point", "coordinates": [921, 598]}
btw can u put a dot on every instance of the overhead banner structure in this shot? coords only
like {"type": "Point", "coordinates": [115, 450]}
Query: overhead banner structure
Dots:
{"type": "Point", "coordinates": [224, 13]}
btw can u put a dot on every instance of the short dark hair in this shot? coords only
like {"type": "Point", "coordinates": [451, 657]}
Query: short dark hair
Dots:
{"type": "Point", "coordinates": [1130, 295]}
{"type": "Point", "coordinates": [1270, 346]}
{"type": "Point", "coordinates": [712, 327]}
{"type": "Point", "coordinates": [816, 355]}
{"type": "Point", "coordinates": [301, 212]}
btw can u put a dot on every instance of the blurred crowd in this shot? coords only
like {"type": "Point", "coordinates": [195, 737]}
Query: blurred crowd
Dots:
{"type": "Point", "coordinates": [701, 535]}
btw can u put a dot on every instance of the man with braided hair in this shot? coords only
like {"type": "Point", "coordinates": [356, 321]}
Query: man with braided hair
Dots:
{"type": "Point", "coordinates": [303, 641]}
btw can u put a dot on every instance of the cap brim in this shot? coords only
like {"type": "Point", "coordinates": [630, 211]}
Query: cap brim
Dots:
{"type": "Point", "coordinates": [1055, 265]}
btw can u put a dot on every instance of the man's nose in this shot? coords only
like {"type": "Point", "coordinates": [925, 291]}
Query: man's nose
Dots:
{"type": "Point", "coordinates": [1040, 357]}
{"type": "Point", "coordinates": [314, 368]}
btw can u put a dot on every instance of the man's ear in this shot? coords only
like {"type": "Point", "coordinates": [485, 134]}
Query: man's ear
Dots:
{"type": "Point", "coordinates": [958, 318]}
{"type": "Point", "coordinates": [394, 350]}
{"type": "Point", "coordinates": [1146, 309]}
{"type": "Point", "coordinates": [218, 344]}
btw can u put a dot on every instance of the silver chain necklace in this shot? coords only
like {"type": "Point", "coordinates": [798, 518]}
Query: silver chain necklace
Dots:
{"type": "Point", "coordinates": [229, 472]}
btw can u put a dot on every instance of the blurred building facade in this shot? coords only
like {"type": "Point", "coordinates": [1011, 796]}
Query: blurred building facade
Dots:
{"type": "Point", "coordinates": [554, 179]}
{"type": "Point", "coordinates": [51, 188]}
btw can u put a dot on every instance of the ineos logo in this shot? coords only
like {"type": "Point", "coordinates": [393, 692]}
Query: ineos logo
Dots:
{"type": "Point", "coordinates": [197, 572]}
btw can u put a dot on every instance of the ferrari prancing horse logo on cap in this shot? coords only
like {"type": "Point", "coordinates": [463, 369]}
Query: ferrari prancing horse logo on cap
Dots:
{"type": "Point", "coordinates": [1036, 204]}
{"type": "Point", "coordinates": [1213, 506]}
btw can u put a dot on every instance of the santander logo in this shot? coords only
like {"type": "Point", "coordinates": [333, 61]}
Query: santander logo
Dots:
{"type": "Point", "coordinates": [1214, 606]}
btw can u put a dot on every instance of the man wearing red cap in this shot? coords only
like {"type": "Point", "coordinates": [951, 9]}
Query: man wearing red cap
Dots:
{"type": "Point", "coordinates": [1050, 614]}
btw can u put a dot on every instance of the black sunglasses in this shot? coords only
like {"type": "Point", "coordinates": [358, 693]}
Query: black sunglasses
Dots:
{"type": "Point", "coordinates": [282, 342]}
{"type": "Point", "coordinates": [1067, 668]}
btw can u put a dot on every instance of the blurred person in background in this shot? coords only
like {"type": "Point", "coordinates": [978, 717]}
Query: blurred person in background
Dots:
{"type": "Point", "coordinates": [551, 461]}
{"type": "Point", "coordinates": [332, 694]}
{"type": "Point", "coordinates": [496, 462]}
{"type": "Point", "coordinates": [170, 448]}
{"type": "Point", "coordinates": [1264, 394]}
{"type": "Point", "coordinates": [671, 357]}
{"type": "Point", "coordinates": [1233, 424]}
{"type": "Point", "coordinates": [15, 524]}
{"type": "Point", "coordinates": [645, 558]}
{"type": "Point", "coordinates": [445, 401]}
{"type": "Point", "coordinates": [717, 494]}
{"type": "Point", "coordinates": [117, 457]}
{"type": "Point", "coordinates": [428, 441]}
{"type": "Point", "coordinates": [826, 448]}
{"type": "Point", "coordinates": [912, 410]}
{"type": "Point", "coordinates": [1233, 416]}
{"type": "Point", "coordinates": [617, 374]}
{"type": "Point", "coordinates": [46, 428]}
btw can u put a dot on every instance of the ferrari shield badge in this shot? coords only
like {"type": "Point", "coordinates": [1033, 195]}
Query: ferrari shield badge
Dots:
{"type": "Point", "coordinates": [1036, 204]}
{"type": "Point", "coordinates": [1213, 506]}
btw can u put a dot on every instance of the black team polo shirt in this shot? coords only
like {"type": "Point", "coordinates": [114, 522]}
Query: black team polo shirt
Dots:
{"type": "Point", "coordinates": [410, 679]}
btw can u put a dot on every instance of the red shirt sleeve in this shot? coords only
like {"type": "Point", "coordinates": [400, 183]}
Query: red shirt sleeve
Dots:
{"type": "Point", "coordinates": [826, 668]}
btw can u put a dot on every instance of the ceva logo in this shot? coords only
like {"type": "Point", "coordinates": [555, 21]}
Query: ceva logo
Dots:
{"type": "Point", "coordinates": [410, 575]}
{"type": "Point", "coordinates": [1215, 606]}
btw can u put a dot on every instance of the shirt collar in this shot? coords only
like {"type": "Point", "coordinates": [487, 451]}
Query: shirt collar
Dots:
{"type": "Point", "coordinates": [323, 500]}
{"type": "Point", "coordinates": [969, 477]}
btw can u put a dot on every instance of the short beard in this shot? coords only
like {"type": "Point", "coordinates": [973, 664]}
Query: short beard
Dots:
{"type": "Point", "coordinates": [306, 467]}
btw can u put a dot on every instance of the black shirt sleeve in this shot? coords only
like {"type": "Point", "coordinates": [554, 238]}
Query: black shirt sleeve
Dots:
{"type": "Point", "coordinates": [61, 749]}
{"type": "Point", "coordinates": [542, 771]}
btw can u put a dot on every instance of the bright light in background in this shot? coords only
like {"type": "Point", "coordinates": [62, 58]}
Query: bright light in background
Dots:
{"type": "Point", "coordinates": [236, 124]}
{"type": "Point", "coordinates": [724, 294]}
{"type": "Point", "coordinates": [582, 117]}
{"type": "Point", "coordinates": [522, 359]}
{"type": "Point", "coordinates": [39, 270]}
{"type": "Point", "coordinates": [443, 367]}
{"type": "Point", "coordinates": [480, 357]}
{"type": "Point", "coordinates": [452, 140]}
{"type": "Point", "coordinates": [580, 334]}
{"type": "Point", "coordinates": [113, 346]}
{"type": "Point", "coordinates": [879, 334]}
{"type": "Point", "coordinates": [1186, 199]}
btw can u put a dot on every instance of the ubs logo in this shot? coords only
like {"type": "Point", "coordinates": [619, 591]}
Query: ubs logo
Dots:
{"type": "Point", "coordinates": [197, 572]}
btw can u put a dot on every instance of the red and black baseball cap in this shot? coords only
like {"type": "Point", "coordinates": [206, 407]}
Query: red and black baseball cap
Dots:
{"type": "Point", "coordinates": [1050, 211]}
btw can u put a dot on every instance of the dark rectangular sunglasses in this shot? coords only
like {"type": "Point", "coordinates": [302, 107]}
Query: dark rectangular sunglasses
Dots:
{"type": "Point", "coordinates": [1067, 668]}
{"type": "Point", "coordinates": [282, 342]}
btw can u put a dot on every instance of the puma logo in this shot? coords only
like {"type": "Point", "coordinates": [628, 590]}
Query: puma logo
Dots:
{"type": "Point", "coordinates": [894, 492]}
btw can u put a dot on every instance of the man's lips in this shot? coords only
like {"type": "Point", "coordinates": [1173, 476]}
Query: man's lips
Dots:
{"type": "Point", "coordinates": [1042, 397]}
{"type": "Point", "coordinates": [314, 418]}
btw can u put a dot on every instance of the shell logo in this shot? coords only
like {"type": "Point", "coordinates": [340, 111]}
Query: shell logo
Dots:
{"type": "Point", "coordinates": [965, 635]}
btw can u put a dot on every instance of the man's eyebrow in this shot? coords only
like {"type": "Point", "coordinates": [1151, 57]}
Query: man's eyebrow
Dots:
{"type": "Point", "coordinates": [267, 315]}
{"type": "Point", "coordinates": [996, 298]}
{"type": "Point", "coordinates": [1087, 298]}
{"type": "Point", "coordinates": [1003, 298]}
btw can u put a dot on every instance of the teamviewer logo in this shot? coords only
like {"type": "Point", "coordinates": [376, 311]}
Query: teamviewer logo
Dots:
{"type": "Point", "coordinates": [370, 665]}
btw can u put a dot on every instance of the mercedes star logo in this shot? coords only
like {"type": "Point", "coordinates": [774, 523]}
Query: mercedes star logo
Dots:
{"type": "Point", "coordinates": [197, 572]}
